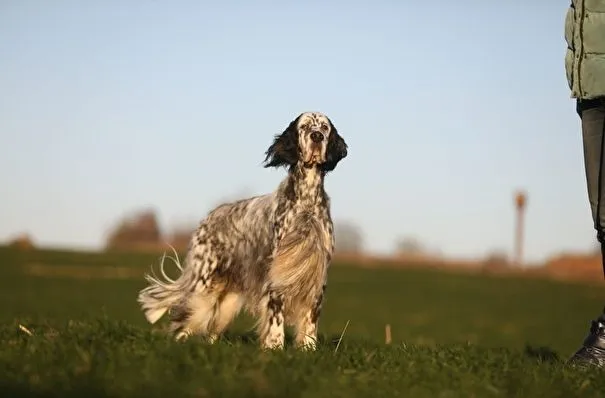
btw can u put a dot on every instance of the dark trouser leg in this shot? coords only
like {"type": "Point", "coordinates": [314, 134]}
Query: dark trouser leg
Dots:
{"type": "Point", "coordinates": [592, 114]}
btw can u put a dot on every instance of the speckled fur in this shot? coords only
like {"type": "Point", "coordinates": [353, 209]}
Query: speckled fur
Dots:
{"type": "Point", "coordinates": [267, 254]}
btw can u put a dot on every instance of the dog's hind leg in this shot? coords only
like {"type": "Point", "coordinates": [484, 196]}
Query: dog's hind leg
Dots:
{"type": "Point", "coordinates": [193, 316]}
{"type": "Point", "coordinates": [196, 312]}
{"type": "Point", "coordinates": [227, 307]}
{"type": "Point", "coordinates": [207, 314]}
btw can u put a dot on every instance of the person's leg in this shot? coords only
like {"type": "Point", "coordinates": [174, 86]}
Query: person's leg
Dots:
{"type": "Point", "coordinates": [592, 114]}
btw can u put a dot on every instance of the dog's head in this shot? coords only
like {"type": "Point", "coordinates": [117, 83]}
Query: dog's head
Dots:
{"type": "Point", "coordinates": [311, 140]}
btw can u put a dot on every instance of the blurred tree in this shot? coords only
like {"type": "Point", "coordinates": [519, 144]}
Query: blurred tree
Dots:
{"type": "Point", "coordinates": [139, 230]}
{"type": "Point", "coordinates": [348, 238]}
{"type": "Point", "coordinates": [408, 246]}
{"type": "Point", "coordinates": [22, 241]}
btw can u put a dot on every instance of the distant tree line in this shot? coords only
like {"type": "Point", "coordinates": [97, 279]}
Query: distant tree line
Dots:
{"type": "Point", "coordinates": [141, 230]}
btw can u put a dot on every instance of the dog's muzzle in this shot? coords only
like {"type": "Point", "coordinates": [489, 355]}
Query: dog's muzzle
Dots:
{"type": "Point", "coordinates": [317, 137]}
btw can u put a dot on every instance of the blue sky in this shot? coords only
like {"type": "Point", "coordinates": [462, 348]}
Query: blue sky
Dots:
{"type": "Point", "coordinates": [447, 107]}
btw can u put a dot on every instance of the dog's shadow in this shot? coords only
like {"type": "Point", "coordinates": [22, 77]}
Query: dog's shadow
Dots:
{"type": "Point", "coordinates": [239, 337]}
{"type": "Point", "coordinates": [541, 353]}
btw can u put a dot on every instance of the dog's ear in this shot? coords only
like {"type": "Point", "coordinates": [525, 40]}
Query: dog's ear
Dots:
{"type": "Point", "coordinates": [284, 150]}
{"type": "Point", "coordinates": [336, 150]}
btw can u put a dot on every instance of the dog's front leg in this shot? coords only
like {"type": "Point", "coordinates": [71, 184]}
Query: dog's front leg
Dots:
{"type": "Point", "coordinates": [306, 327]}
{"type": "Point", "coordinates": [272, 334]}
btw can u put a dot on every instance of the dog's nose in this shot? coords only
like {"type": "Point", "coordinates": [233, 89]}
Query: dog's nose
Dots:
{"type": "Point", "coordinates": [316, 136]}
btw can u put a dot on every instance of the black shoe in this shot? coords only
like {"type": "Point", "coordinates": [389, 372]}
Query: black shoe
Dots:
{"type": "Point", "coordinates": [592, 351]}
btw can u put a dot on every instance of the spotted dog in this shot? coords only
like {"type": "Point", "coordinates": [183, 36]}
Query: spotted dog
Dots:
{"type": "Point", "coordinates": [266, 254]}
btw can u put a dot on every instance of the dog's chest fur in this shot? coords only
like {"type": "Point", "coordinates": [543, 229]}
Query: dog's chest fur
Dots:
{"type": "Point", "coordinates": [304, 201]}
{"type": "Point", "coordinates": [304, 239]}
{"type": "Point", "coordinates": [286, 235]}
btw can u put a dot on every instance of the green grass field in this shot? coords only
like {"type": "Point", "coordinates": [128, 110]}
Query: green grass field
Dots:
{"type": "Point", "coordinates": [454, 335]}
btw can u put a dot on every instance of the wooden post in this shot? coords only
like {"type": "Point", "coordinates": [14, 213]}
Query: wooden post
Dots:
{"type": "Point", "coordinates": [520, 204]}
{"type": "Point", "coordinates": [387, 334]}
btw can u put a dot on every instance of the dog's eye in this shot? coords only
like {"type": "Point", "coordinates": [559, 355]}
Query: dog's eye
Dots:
{"type": "Point", "coordinates": [324, 127]}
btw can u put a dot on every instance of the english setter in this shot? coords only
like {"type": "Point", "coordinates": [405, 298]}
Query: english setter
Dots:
{"type": "Point", "coordinates": [268, 254]}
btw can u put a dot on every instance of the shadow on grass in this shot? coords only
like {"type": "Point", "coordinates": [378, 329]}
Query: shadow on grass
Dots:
{"type": "Point", "coordinates": [23, 389]}
{"type": "Point", "coordinates": [542, 354]}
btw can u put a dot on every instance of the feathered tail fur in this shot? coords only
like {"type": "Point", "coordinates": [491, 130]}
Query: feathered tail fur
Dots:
{"type": "Point", "coordinates": [160, 295]}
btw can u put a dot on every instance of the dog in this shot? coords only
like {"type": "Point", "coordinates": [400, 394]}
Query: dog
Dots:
{"type": "Point", "coordinates": [267, 254]}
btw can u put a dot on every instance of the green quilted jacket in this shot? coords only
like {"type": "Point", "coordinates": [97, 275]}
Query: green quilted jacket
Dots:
{"type": "Point", "coordinates": [585, 56]}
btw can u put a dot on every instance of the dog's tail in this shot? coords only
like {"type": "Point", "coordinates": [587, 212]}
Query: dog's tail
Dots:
{"type": "Point", "coordinates": [160, 295]}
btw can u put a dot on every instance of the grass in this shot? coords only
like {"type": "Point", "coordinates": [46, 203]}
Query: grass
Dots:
{"type": "Point", "coordinates": [454, 335]}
